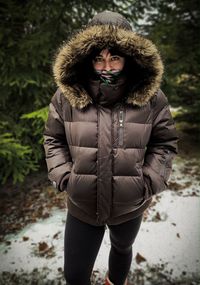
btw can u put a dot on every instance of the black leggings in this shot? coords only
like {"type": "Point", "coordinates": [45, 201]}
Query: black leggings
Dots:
{"type": "Point", "coordinates": [82, 243]}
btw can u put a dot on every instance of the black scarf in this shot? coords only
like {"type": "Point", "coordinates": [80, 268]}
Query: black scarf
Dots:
{"type": "Point", "coordinates": [107, 94]}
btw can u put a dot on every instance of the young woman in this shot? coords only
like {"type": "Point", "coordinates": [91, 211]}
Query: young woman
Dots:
{"type": "Point", "coordinates": [109, 141]}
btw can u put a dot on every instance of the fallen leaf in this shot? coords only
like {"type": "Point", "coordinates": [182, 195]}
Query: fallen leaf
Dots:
{"type": "Point", "coordinates": [56, 235]}
{"type": "Point", "coordinates": [139, 258]}
{"type": "Point", "coordinates": [43, 247]}
{"type": "Point", "coordinates": [175, 186]}
{"type": "Point", "coordinates": [25, 238]}
{"type": "Point", "coordinates": [157, 216]}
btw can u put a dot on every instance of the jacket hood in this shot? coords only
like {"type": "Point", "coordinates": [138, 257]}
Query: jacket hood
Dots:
{"type": "Point", "coordinates": [145, 64]}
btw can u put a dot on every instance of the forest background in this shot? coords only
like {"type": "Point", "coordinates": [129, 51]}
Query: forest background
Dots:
{"type": "Point", "coordinates": [32, 31]}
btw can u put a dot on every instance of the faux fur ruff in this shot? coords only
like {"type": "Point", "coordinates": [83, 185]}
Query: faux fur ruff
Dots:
{"type": "Point", "coordinates": [131, 44]}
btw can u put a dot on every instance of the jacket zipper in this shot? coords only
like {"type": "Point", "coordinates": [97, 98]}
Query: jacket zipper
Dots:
{"type": "Point", "coordinates": [112, 157]}
{"type": "Point", "coordinates": [97, 203]}
{"type": "Point", "coordinates": [121, 127]}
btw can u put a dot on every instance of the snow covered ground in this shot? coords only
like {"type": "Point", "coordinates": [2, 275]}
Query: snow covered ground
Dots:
{"type": "Point", "coordinates": [166, 250]}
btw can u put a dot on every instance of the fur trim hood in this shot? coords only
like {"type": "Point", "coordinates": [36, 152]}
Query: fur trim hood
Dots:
{"type": "Point", "coordinates": [74, 52]}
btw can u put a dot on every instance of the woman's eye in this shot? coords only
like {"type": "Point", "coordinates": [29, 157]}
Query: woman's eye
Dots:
{"type": "Point", "coordinates": [98, 59]}
{"type": "Point", "coordinates": [115, 58]}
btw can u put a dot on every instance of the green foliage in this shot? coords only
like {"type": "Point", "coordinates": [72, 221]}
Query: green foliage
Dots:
{"type": "Point", "coordinates": [39, 114]}
{"type": "Point", "coordinates": [33, 123]}
{"type": "Point", "coordinates": [15, 159]}
{"type": "Point", "coordinates": [174, 27]}
{"type": "Point", "coordinates": [22, 153]}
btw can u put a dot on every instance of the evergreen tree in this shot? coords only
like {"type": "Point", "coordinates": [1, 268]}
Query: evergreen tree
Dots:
{"type": "Point", "coordinates": [174, 27]}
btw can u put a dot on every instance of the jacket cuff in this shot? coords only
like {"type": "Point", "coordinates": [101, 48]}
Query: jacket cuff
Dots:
{"type": "Point", "coordinates": [64, 181]}
{"type": "Point", "coordinates": [58, 174]}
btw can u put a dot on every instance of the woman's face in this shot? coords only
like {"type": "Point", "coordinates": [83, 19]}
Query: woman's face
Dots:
{"type": "Point", "coordinates": [106, 61]}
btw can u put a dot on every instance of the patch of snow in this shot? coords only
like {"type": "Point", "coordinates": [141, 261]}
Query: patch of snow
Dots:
{"type": "Point", "coordinates": [22, 255]}
{"type": "Point", "coordinates": [176, 240]}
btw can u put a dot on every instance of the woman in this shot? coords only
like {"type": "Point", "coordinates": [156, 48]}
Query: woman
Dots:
{"type": "Point", "coordinates": [109, 141]}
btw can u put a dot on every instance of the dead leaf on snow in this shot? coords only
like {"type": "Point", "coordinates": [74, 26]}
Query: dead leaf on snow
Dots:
{"type": "Point", "coordinates": [172, 185]}
{"type": "Point", "coordinates": [157, 216]}
{"type": "Point", "coordinates": [139, 258]}
{"type": "Point", "coordinates": [43, 247]}
{"type": "Point", "coordinates": [56, 235]}
{"type": "Point", "coordinates": [43, 250]}
{"type": "Point", "coordinates": [25, 238]}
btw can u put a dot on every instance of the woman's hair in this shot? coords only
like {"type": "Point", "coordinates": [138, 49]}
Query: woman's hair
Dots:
{"type": "Point", "coordinates": [112, 50]}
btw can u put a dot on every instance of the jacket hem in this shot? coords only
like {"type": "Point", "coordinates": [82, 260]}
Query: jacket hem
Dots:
{"type": "Point", "coordinates": [81, 215]}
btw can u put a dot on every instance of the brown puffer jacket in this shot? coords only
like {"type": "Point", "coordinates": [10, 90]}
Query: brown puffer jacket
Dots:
{"type": "Point", "coordinates": [110, 159]}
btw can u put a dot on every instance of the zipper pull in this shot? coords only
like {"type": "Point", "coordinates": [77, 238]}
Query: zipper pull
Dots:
{"type": "Point", "coordinates": [121, 118]}
{"type": "Point", "coordinates": [121, 128]}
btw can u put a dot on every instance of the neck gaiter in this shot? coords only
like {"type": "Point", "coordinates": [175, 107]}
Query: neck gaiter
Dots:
{"type": "Point", "coordinates": [108, 77]}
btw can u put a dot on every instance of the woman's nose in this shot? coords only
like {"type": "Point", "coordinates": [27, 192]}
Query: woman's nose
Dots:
{"type": "Point", "coordinates": [107, 66]}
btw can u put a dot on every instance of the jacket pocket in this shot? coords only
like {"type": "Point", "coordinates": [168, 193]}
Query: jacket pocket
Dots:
{"type": "Point", "coordinates": [167, 165]}
{"type": "Point", "coordinates": [154, 182]}
{"type": "Point", "coordinates": [148, 193]}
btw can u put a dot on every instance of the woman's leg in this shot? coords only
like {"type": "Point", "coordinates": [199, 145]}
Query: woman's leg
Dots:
{"type": "Point", "coordinates": [122, 237]}
{"type": "Point", "coordinates": [82, 243]}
